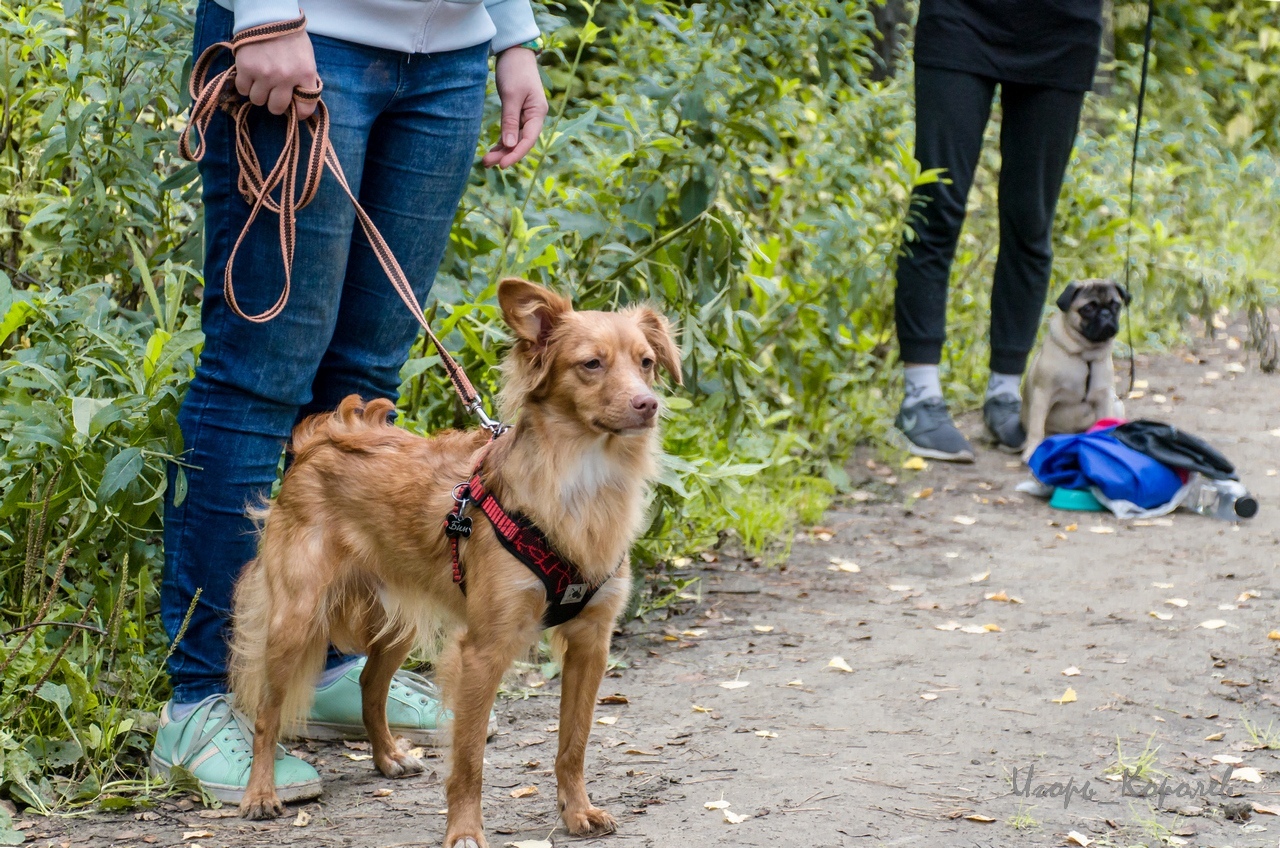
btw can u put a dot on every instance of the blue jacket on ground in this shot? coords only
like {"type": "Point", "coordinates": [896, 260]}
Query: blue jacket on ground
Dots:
{"type": "Point", "coordinates": [1085, 460]}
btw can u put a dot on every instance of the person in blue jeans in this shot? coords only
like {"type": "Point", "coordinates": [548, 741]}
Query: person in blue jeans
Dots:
{"type": "Point", "coordinates": [404, 82]}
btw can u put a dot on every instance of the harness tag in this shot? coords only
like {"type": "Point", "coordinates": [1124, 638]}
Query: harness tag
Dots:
{"type": "Point", "coordinates": [457, 525]}
{"type": "Point", "coordinates": [574, 594]}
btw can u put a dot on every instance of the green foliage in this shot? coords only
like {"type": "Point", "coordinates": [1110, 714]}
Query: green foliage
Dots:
{"type": "Point", "coordinates": [729, 160]}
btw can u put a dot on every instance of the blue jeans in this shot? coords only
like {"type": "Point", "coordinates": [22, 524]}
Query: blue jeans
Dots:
{"type": "Point", "coordinates": [405, 128]}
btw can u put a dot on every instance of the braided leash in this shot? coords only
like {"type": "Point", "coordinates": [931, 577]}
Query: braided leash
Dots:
{"type": "Point", "coordinates": [208, 95]}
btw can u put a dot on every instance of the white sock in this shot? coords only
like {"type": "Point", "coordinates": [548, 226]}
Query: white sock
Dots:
{"type": "Point", "coordinates": [1004, 384]}
{"type": "Point", "coordinates": [921, 384]}
{"type": "Point", "coordinates": [331, 675]}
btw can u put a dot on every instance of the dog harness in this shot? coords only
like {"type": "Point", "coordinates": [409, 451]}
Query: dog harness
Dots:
{"type": "Point", "coordinates": [568, 592]}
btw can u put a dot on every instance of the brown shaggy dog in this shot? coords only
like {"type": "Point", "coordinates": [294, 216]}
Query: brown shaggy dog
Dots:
{"type": "Point", "coordinates": [353, 551]}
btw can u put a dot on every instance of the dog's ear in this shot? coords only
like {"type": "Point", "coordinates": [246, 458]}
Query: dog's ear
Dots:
{"type": "Point", "coordinates": [657, 331]}
{"type": "Point", "coordinates": [1068, 296]}
{"type": "Point", "coordinates": [1124, 293]}
{"type": "Point", "coordinates": [531, 311]}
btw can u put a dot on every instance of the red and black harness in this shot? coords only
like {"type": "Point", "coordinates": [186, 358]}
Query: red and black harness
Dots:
{"type": "Point", "coordinates": [568, 592]}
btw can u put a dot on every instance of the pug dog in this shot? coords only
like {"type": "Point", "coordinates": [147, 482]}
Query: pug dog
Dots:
{"type": "Point", "coordinates": [1071, 384]}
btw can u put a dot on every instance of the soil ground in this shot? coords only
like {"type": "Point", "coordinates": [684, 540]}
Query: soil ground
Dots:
{"type": "Point", "coordinates": [928, 725]}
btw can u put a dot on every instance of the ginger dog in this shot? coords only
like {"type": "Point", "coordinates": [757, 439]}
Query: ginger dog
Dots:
{"type": "Point", "coordinates": [353, 551]}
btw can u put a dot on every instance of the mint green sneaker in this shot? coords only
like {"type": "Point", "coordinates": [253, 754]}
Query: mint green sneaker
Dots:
{"type": "Point", "coordinates": [414, 710]}
{"type": "Point", "coordinates": [215, 743]}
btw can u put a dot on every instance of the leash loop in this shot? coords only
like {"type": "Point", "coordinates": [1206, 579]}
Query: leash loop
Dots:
{"type": "Point", "coordinates": [211, 93]}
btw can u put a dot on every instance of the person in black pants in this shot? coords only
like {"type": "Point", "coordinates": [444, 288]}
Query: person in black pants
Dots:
{"type": "Point", "coordinates": [1042, 55]}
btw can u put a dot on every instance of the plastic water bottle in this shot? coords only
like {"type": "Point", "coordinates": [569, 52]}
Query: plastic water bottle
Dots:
{"type": "Point", "coordinates": [1225, 500]}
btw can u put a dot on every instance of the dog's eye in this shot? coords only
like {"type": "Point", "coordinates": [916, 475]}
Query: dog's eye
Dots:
{"type": "Point", "coordinates": [646, 363]}
{"type": "Point", "coordinates": [593, 365]}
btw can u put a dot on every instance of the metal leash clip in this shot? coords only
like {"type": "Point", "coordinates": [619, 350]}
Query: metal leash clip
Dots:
{"type": "Point", "coordinates": [497, 428]}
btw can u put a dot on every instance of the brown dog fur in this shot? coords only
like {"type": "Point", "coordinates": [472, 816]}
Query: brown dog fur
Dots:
{"type": "Point", "coordinates": [353, 551]}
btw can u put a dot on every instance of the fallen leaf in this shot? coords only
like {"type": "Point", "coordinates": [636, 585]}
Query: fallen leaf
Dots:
{"type": "Point", "coordinates": [1228, 759]}
{"type": "Point", "coordinates": [359, 758]}
{"type": "Point", "coordinates": [923, 493]}
{"type": "Point", "coordinates": [929, 696]}
{"type": "Point", "coordinates": [524, 791]}
{"type": "Point", "coordinates": [1235, 367]}
{"type": "Point", "coordinates": [529, 843]}
{"type": "Point", "coordinates": [1068, 697]}
{"type": "Point", "coordinates": [898, 587]}
{"type": "Point", "coordinates": [993, 628]}
{"type": "Point", "coordinates": [1215, 737]}
{"type": "Point", "coordinates": [978, 578]}
{"type": "Point", "coordinates": [734, 818]}
{"type": "Point", "coordinates": [693, 633]}
{"type": "Point", "coordinates": [766, 734]}
{"type": "Point", "coordinates": [952, 555]}
{"type": "Point", "coordinates": [606, 720]}
{"type": "Point", "coordinates": [763, 628]}
{"type": "Point", "coordinates": [915, 463]}
{"type": "Point", "coordinates": [1227, 607]}
{"type": "Point", "coordinates": [796, 682]}
{"type": "Point", "coordinates": [196, 834]}
{"type": "Point", "coordinates": [952, 625]}
{"type": "Point", "coordinates": [1244, 597]}
{"type": "Point", "coordinates": [698, 709]}
{"type": "Point", "coordinates": [1163, 616]}
{"type": "Point", "coordinates": [681, 561]}
{"type": "Point", "coordinates": [1274, 635]}
{"type": "Point", "coordinates": [303, 819]}
{"type": "Point", "coordinates": [979, 818]}
{"type": "Point", "coordinates": [964, 519]}
{"type": "Point", "coordinates": [382, 793]}
{"type": "Point", "coordinates": [716, 805]}
{"type": "Point", "coordinates": [1071, 528]}
{"type": "Point", "coordinates": [1071, 672]}
{"type": "Point", "coordinates": [1266, 811]}
{"type": "Point", "coordinates": [997, 596]}
{"type": "Point", "coordinates": [735, 684]}
{"type": "Point", "coordinates": [973, 628]}
{"type": "Point", "coordinates": [1100, 528]}
{"type": "Point", "coordinates": [1141, 384]}
{"type": "Point", "coordinates": [1249, 775]}
{"type": "Point", "coordinates": [1075, 837]}
{"type": "Point", "coordinates": [839, 664]}
{"type": "Point", "coordinates": [640, 752]}
{"type": "Point", "coordinates": [1163, 585]}
{"type": "Point", "coordinates": [614, 699]}
{"type": "Point", "coordinates": [1177, 602]}
{"type": "Point", "coordinates": [1212, 624]}
{"type": "Point", "coordinates": [838, 564]}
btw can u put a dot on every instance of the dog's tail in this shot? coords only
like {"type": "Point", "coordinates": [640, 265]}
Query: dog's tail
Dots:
{"type": "Point", "coordinates": [353, 426]}
{"type": "Point", "coordinates": [275, 662]}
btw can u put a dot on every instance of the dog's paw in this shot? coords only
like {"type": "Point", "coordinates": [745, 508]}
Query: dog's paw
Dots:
{"type": "Point", "coordinates": [400, 764]}
{"type": "Point", "coordinates": [254, 807]}
{"type": "Point", "coordinates": [592, 821]}
{"type": "Point", "coordinates": [466, 841]}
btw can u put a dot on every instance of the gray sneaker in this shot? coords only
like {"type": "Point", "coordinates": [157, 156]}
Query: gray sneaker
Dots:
{"type": "Point", "coordinates": [1003, 416]}
{"type": "Point", "coordinates": [930, 432]}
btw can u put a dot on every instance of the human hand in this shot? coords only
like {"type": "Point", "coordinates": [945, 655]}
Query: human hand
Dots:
{"type": "Point", "coordinates": [524, 106]}
{"type": "Point", "coordinates": [267, 72]}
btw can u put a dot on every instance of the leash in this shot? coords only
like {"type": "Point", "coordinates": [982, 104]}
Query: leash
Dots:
{"type": "Point", "coordinates": [1133, 171]}
{"type": "Point", "coordinates": [208, 95]}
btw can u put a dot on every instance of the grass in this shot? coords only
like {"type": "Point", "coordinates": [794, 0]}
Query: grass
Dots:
{"type": "Point", "coordinates": [1139, 767]}
{"type": "Point", "coordinates": [1022, 819]}
{"type": "Point", "coordinates": [1263, 737]}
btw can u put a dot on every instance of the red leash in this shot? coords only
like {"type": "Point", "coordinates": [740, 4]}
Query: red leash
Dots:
{"type": "Point", "coordinates": [219, 92]}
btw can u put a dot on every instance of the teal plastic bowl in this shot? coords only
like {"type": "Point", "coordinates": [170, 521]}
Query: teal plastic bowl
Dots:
{"type": "Point", "coordinates": [1076, 500]}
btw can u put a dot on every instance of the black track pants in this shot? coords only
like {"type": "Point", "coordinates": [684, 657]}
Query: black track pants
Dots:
{"type": "Point", "coordinates": [1037, 133]}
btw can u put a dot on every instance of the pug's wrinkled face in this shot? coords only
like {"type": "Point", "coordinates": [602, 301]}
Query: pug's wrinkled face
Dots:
{"type": "Point", "coordinates": [1093, 307]}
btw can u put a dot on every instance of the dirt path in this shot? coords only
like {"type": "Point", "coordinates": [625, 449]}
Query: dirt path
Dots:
{"type": "Point", "coordinates": [930, 724]}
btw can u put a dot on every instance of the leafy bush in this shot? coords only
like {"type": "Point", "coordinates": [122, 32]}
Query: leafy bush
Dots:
{"type": "Point", "coordinates": [731, 160]}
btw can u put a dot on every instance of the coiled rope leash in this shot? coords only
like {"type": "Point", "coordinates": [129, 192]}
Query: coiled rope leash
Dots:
{"type": "Point", "coordinates": [208, 95]}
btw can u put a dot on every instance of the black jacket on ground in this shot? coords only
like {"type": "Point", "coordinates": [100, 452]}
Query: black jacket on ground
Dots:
{"type": "Point", "coordinates": [1052, 43]}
